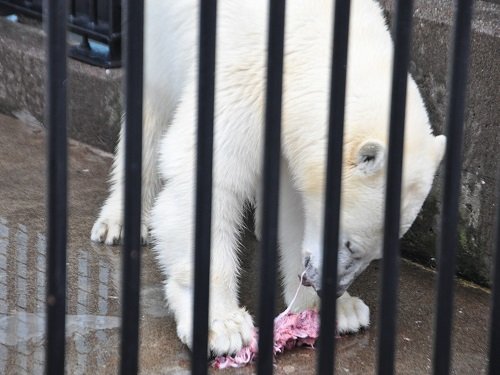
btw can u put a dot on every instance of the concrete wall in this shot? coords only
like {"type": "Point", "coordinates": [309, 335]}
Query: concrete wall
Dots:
{"type": "Point", "coordinates": [431, 40]}
{"type": "Point", "coordinates": [94, 94]}
{"type": "Point", "coordinates": [95, 112]}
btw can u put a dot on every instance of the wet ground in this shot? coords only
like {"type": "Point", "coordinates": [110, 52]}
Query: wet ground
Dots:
{"type": "Point", "coordinates": [93, 294]}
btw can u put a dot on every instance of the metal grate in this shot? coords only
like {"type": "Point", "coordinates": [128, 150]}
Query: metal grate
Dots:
{"type": "Point", "coordinates": [56, 120]}
{"type": "Point", "coordinates": [97, 22]}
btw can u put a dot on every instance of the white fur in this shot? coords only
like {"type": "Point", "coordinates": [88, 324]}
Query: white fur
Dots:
{"type": "Point", "coordinates": [170, 99]}
{"type": "Point", "coordinates": [352, 314]}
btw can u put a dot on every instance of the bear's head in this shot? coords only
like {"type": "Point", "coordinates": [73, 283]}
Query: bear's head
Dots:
{"type": "Point", "coordinates": [364, 184]}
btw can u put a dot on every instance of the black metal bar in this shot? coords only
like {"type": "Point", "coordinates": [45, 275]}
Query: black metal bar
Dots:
{"type": "Point", "coordinates": [270, 183]}
{"type": "Point", "coordinates": [98, 34]}
{"type": "Point", "coordinates": [35, 12]}
{"type": "Point", "coordinates": [93, 11]}
{"type": "Point", "coordinates": [56, 118]}
{"type": "Point", "coordinates": [134, 14]}
{"type": "Point", "coordinates": [451, 190]}
{"type": "Point", "coordinates": [390, 263]}
{"type": "Point", "coordinates": [114, 29]}
{"type": "Point", "coordinates": [72, 8]}
{"type": "Point", "coordinates": [326, 356]}
{"type": "Point", "coordinates": [115, 16]}
{"type": "Point", "coordinates": [494, 367]}
{"type": "Point", "coordinates": [206, 100]}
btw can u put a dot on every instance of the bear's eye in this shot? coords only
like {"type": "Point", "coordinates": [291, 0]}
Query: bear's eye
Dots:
{"type": "Point", "coordinates": [348, 246]}
{"type": "Point", "coordinates": [368, 158]}
{"type": "Point", "coordinates": [354, 254]}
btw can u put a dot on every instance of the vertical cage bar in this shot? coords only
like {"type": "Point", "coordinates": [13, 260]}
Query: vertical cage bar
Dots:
{"type": "Point", "coordinates": [270, 183]}
{"type": "Point", "coordinates": [390, 262]}
{"type": "Point", "coordinates": [134, 14]}
{"type": "Point", "coordinates": [204, 161]}
{"type": "Point", "coordinates": [93, 11]}
{"type": "Point", "coordinates": [72, 8]}
{"type": "Point", "coordinates": [326, 356]}
{"type": "Point", "coordinates": [451, 190]}
{"type": "Point", "coordinates": [115, 43]}
{"type": "Point", "coordinates": [56, 118]}
{"type": "Point", "coordinates": [494, 366]}
{"type": "Point", "coordinates": [115, 16]}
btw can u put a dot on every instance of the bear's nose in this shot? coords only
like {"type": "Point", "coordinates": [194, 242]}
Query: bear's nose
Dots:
{"type": "Point", "coordinates": [311, 277]}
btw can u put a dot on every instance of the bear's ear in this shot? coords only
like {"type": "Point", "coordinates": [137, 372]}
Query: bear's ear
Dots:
{"type": "Point", "coordinates": [370, 157]}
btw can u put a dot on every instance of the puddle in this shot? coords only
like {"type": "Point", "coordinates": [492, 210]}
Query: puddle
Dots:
{"type": "Point", "coordinates": [92, 321]}
{"type": "Point", "coordinates": [93, 270]}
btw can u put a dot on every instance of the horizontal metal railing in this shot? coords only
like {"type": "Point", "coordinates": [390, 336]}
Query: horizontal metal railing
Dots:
{"type": "Point", "coordinates": [93, 20]}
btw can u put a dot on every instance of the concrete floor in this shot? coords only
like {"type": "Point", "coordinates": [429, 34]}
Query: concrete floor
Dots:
{"type": "Point", "coordinates": [93, 321]}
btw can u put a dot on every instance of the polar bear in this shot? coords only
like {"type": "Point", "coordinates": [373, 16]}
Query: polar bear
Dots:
{"type": "Point", "coordinates": [169, 154]}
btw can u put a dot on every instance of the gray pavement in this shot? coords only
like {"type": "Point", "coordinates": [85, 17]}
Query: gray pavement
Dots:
{"type": "Point", "coordinates": [93, 292]}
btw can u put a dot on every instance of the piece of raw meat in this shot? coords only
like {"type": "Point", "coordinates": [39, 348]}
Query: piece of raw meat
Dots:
{"type": "Point", "coordinates": [290, 330]}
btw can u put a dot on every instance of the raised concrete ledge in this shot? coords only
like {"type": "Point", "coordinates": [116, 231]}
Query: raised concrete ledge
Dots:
{"type": "Point", "coordinates": [94, 108]}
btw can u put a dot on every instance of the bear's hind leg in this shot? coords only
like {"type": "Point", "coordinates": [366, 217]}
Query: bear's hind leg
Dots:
{"type": "Point", "coordinates": [108, 228]}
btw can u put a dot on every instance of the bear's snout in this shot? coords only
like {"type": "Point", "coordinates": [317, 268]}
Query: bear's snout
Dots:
{"type": "Point", "coordinates": [311, 276]}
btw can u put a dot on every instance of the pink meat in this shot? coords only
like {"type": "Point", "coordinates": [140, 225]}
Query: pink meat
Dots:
{"type": "Point", "coordinates": [290, 330]}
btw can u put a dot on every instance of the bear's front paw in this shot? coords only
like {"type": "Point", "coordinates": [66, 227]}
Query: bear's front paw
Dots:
{"type": "Point", "coordinates": [229, 332]}
{"type": "Point", "coordinates": [352, 314]}
{"type": "Point", "coordinates": [108, 229]}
